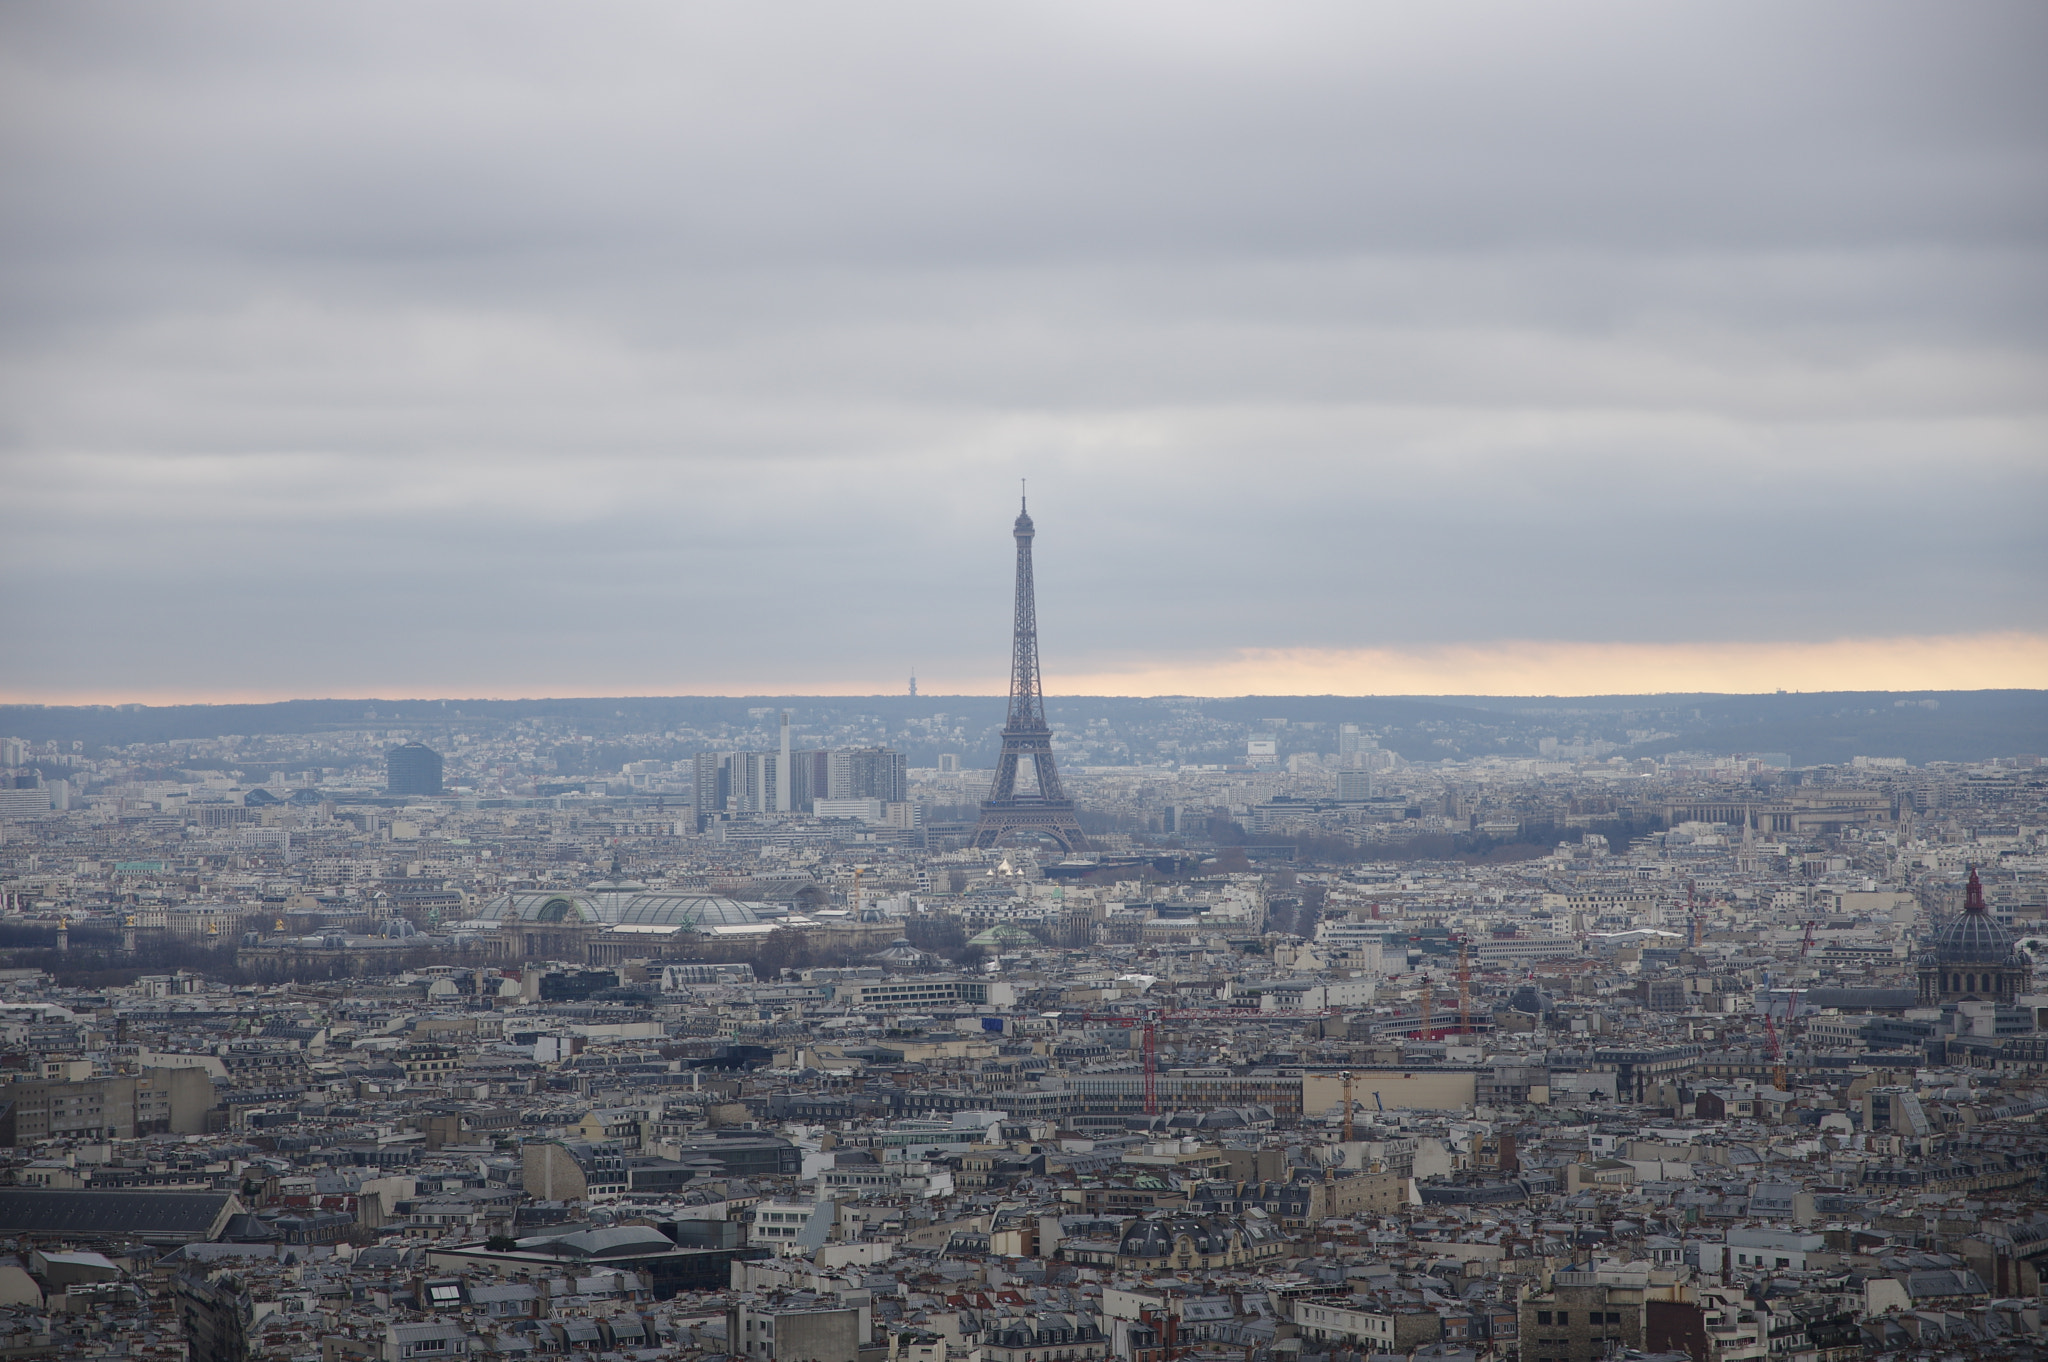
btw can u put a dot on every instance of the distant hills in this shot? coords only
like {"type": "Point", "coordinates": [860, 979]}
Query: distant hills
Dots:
{"type": "Point", "coordinates": [1812, 728]}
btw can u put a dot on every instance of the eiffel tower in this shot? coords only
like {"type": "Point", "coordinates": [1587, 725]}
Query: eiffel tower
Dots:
{"type": "Point", "coordinates": [1026, 736]}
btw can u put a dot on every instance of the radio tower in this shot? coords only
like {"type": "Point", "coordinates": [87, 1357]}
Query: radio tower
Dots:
{"type": "Point", "coordinates": [1026, 736]}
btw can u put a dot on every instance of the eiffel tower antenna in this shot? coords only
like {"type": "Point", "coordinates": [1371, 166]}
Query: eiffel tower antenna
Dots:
{"type": "Point", "coordinates": [1026, 735]}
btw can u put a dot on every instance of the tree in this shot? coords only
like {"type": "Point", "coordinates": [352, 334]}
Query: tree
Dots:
{"type": "Point", "coordinates": [939, 933]}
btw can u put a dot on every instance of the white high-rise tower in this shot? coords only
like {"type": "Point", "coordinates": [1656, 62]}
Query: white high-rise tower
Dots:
{"type": "Point", "coordinates": [782, 770]}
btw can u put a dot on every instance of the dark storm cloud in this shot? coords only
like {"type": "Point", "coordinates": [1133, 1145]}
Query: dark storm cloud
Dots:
{"type": "Point", "coordinates": [522, 348]}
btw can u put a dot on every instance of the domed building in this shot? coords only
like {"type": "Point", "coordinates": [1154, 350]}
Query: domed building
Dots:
{"type": "Point", "coordinates": [1972, 958]}
{"type": "Point", "coordinates": [900, 954]}
{"type": "Point", "coordinates": [612, 921]}
{"type": "Point", "coordinates": [628, 905]}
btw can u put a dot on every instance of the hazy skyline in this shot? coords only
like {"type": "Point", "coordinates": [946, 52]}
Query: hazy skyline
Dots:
{"type": "Point", "coordinates": [500, 350]}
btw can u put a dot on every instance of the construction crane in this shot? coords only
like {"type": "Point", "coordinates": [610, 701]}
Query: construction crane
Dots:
{"type": "Point", "coordinates": [1464, 985]}
{"type": "Point", "coordinates": [1242, 1014]}
{"type": "Point", "coordinates": [1806, 946]}
{"type": "Point", "coordinates": [1148, 1040]}
{"type": "Point", "coordinates": [1778, 1078]}
{"type": "Point", "coordinates": [1791, 1016]}
{"type": "Point", "coordinates": [1349, 1129]}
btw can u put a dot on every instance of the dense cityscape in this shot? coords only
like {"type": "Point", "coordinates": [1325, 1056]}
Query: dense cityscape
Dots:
{"type": "Point", "coordinates": [913, 682]}
{"type": "Point", "coordinates": [1162, 1034]}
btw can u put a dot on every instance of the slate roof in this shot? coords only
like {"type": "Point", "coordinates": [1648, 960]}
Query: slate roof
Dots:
{"type": "Point", "coordinates": [144, 1215]}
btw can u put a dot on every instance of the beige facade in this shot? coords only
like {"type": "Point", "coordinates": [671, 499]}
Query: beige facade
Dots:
{"type": "Point", "coordinates": [1415, 1089]}
{"type": "Point", "coordinates": [1356, 1194]}
{"type": "Point", "coordinates": [823, 1332]}
{"type": "Point", "coordinates": [156, 1101]}
{"type": "Point", "coordinates": [550, 1173]}
{"type": "Point", "coordinates": [1585, 1314]}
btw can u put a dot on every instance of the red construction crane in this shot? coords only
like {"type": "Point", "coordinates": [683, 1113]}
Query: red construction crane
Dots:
{"type": "Point", "coordinates": [1778, 1079]}
{"type": "Point", "coordinates": [1806, 946]}
{"type": "Point", "coordinates": [1148, 1040]}
{"type": "Point", "coordinates": [1464, 985]}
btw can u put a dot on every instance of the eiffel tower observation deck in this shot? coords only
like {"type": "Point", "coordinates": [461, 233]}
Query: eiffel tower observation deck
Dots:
{"type": "Point", "coordinates": [1027, 738]}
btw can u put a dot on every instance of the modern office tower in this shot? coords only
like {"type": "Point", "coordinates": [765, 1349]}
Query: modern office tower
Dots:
{"type": "Point", "coordinates": [738, 782]}
{"type": "Point", "coordinates": [752, 782]}
{"type": "Point", "coordinates": [1350, 740]}
{"type": "Point", "coordinates": [1354, 785]}
{"type": "Point", "coordinates": [712, 781]}
{"type": "Point", "coordinates": [867, 773]}
{"type": "Point", "coordinates": [782, 776]}
{"type": "Point", "coordinates": [414, 769]}
{"type": "Point", "coordinates": [756, 781]}
{"type": "Point", "coordinates": [1026, 735]}
{"type": "Point", "coordinates": [810, 777]}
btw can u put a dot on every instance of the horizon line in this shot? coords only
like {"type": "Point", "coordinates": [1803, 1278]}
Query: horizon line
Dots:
{"type": "Point", "coordinates": [2012, 659]}
{"type": "Point", "coordinates": [596, 696]}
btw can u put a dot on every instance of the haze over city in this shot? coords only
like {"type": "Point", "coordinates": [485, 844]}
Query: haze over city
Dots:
{"type": "Point", "coordinates": [500, 351]}
{"type": "Point", "coordinates": [1116, 682]}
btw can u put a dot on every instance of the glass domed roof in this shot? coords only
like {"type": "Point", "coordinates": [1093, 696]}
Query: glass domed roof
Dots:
{"type": "Point", "coordinates": [528, 905]}
{"type": "Point", "coordinates": [614, 905]}
{"type": "Point", "coordinates": [684, 910]}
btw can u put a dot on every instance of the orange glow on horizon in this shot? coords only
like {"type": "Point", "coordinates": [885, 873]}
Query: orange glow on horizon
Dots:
{"type": "Point", "coordinates": [1529, 667]}
{"type": "Point", "coordinates": [2012, 660]}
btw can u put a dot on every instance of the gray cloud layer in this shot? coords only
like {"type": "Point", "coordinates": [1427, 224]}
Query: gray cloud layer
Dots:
{"type": "Point", "coordinates": [523, 348]}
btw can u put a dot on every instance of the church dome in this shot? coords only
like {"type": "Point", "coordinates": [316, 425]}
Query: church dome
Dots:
{"type": "Point", "coordinates": [1973, 936]}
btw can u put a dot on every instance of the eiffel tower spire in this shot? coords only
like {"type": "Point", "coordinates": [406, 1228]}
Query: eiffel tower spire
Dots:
{"type": "Point", "coordinates": [1026, 735]}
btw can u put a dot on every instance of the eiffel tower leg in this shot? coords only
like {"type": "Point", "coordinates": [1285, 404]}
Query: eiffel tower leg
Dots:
{"type": "Point", "coordinates": [1005, 785]}
{"type": "Point", "coordinates": [1048, 775]}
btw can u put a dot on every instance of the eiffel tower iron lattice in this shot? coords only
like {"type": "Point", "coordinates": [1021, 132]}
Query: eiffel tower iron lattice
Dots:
{"type": "Point", "coordinates": [1026, 735]}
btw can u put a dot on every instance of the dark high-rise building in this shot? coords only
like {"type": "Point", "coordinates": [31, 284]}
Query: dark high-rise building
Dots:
{"type": "Point", "coordinates": [713, 781]}
{"type": "Point", "coordinates": [867, 773]}
{"type": "Point", "coordinates": [414, 769]}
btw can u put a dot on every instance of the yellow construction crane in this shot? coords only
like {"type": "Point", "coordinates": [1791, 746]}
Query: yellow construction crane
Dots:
{"type": "Point", "coordinates": [1778, 1075]}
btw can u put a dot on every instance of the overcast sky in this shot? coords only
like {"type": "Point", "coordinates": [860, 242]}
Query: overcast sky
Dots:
{"type": "Point", "coordinates": [506, 349]}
